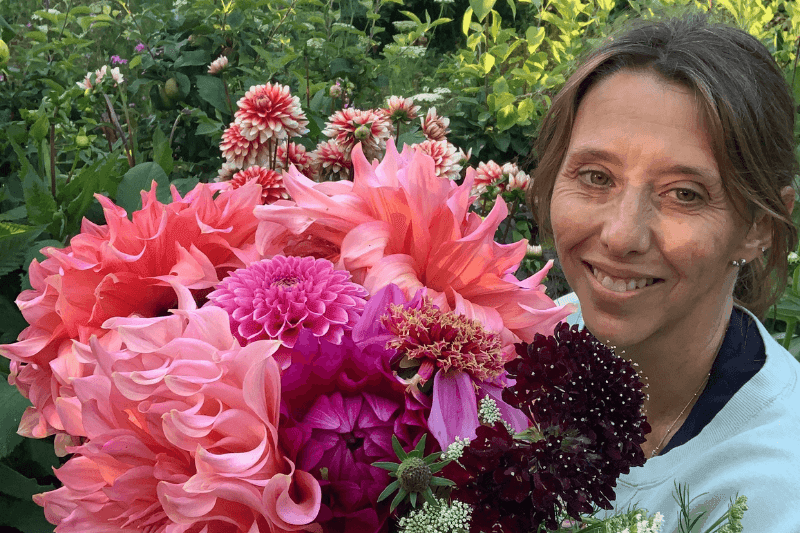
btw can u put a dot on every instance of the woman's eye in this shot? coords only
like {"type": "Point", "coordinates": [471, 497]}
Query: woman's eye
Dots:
{"type": "Point", "coordinates": [594, 177]}
{"type": "Point", "coordinates": [687, 195]}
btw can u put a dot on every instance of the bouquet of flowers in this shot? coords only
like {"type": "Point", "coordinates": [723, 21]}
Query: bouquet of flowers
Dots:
{"type": "Point", "coordinates": [274, 353]}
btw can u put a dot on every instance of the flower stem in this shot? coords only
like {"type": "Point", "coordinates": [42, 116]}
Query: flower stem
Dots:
{"type": "Point", "coordinates": [53, 153]}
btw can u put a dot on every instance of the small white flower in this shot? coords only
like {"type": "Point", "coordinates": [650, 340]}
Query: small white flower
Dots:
{"type": "Point", "coordinates": [218, 65]}
{"type": "Point", "coordinates": [315, 42]}
{"type": "Point", "coordinates": [442, 90]}
{"type": "Point", "coordinates": [427, 97]}
{"type": "Point", "coordinates": [116, 75]}
{"type": "Point", "coordinates": [455, 449]}
{"type": "Point", "coordinates": [405, 25]}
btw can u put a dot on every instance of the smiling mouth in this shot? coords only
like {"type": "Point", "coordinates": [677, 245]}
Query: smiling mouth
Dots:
{"type": "Point", "coordinates": [620, 284]}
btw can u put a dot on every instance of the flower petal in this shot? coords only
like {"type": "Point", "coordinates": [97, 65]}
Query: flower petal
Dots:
{"type": "Point", "coordinates": [454, 412]}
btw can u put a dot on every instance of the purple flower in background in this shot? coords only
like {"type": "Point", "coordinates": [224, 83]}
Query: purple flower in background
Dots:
{"type": "Point", "coordinates": [118, 60]}
{"type": "Point", "coordinates": [140, 48]}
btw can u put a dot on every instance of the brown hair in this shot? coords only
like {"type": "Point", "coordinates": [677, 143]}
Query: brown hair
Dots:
{"type": "Point", "coordinates": [749, 112]}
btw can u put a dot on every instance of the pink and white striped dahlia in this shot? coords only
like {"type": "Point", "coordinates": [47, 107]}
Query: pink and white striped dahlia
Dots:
{"type": "Point", "coordinates": [331, 160]}
{"type": "Point", "coordinates": [517, 179]}
{"type": "Point", "coordinates": [296, 155]}
{"type": "Point", "coordinates": [400, 109]}
{"type": "Point", "coordinates": [350, 126]}
{"type": "Point", "coordinates": [445, 156]}
{"type": "Point", "coordinates": [489, 173]}
{"type": "Point", "coordinates": [241, 152]}
{"type": "Point", "coordinates": [218, 65]}
{"type": "Point", "coordinates": [435, 127]}
{"type": "Point", "coordinates": [269, 112]}
{"type": "Point", "coordinates": [277, 298]}
{"type": "Point", "coordinates": [271, 182]}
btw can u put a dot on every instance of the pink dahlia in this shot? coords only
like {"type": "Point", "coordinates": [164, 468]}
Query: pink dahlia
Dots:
{"type": "Point", "coordinates": [218, 65]}
{"type": "Point", "coordinates": [331, 160]}
{"type": "Point", "coordinates": [182, 435]}
{"type": "Point", "coordinates": [400, 109]}
{"type": "Point", "coordinates": [398, 222]}
{"type": "Point", "coordinates": [241, 152]}
{"type": "Point", "coordinates": [271, 182]}
{"type": "Point", "coordinates": [277, 298]}
{"type": "Point", "coordinates": [118, 269]}
{"type": "Point", "coordinates": [295, 154]}
{"type": "Point", "coordinates": [445, 157]}
{"type": "Point", "coordinates": [269, 112]}
{"type": "Point", "coordinates": [350, 126]}
{"type": "Point", "coordinates": [435, 127]}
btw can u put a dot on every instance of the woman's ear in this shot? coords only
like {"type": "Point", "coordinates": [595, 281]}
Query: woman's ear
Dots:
{"type": "Point", "coordinates": [787, 195]}
{"type": "Point", "coordinates": [760, 234]}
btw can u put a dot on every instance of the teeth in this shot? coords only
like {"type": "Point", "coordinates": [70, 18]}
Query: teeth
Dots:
{"type": "Point", "coordinates": [621, 285]}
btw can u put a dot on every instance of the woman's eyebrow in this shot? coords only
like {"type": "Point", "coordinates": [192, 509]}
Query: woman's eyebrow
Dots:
{"type": "Point", "coordinates": [593, 154]}
{"type": "Point", "coordinates": [589, 153]}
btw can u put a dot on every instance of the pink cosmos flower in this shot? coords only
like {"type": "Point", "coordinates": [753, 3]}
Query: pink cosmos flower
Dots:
{"type": "Point", "coordinates": [271, 182]}
{"type": "Point", "coordinates": [295, 154]}
{"type": "Point", "coordinates": [269, 112]}
{"type": "Point", "coordinates": [349, 126]}
{"type": "Point", "coordinates": [121, 268]}
{"type": "Point", "coordinates": [182, 435]}
{"type": "Point", "coordinates": [445, 157]}
{"type": "Point", "coordinates": [277, 298]}
{"type": "Point", "coordinates": [241, 152]}
{"type": "Point", "coordinates": [331, 160]}
{"type": "Point", "coordinates": [397, 222]}
{"type": "Point", "coordinates": [218, 65]}
{"type": "Point", "coordinates": [400, 109]}
{"type": "Point", "coordinates": [435, 127]}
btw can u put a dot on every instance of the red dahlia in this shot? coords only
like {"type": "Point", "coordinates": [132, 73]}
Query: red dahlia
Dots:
{"type": "Point", "coordinates": [271, 182]}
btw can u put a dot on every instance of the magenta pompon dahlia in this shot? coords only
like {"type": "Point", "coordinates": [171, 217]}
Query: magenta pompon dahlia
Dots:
{"type": "Point", "coordinates": [277, 298]}
{"type": "Point", "coordinates": [269, 112]}
{"type": "Point", "coordinates": [271, 182]}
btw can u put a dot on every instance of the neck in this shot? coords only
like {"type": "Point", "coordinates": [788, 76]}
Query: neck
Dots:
{"type": "Point", "coordinates": [675, 371]}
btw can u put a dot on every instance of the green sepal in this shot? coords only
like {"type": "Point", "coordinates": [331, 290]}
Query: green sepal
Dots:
{"type": "Point", "coordinates": [438, 466]}
{"type": "Point", "coordinates": [388, 490]}
{"type": "Point", "coordinates": [433, 457]}
{"type": "Point", "coordinates": [401, 454]}
{"type": "Point", "coordinates": [413, 498]}
{"type": "Point", "coordinates": [428, 495]}
{"type": "Point", "coordinates": [397, 499]}
{"type": "Point", "coordinates": [391, 467]}
{"type": "Point", "coordinates": [441, 482]}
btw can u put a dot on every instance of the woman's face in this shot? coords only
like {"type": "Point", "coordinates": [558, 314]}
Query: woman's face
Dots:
{"type": "Point", "coordinates": [641, 223]}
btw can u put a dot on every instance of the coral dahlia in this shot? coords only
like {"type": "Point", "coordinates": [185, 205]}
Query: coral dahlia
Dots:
{"type": "Point", "coordinates": [268, 112]}
{"type": "Point", "coordinates": [277, 298]}
{"type": "Point", "coordinates": [118, 269]}
{"type": "Point", "coordinates": [271, 182]}
{"type": "Point", "coordinates": [241, 152]}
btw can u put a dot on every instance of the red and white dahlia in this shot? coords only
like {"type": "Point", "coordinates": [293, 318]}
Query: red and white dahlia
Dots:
{"type": "Point", "coordinates": [271, 182]}
{"type": "Point", "coordinates": [486, 174]}
{"type": "Point", "coordinates": [445, 156]}
{"type": "Point", "coordinates": [240, 151]}
{"type": "Point", "coordinates": [371, 128]}
{"type": "Point", "coordinates": [517, 179]}
{"type": "Point", "coordinates": [270, 112]}
{"type": "Point", "coordinates": [331, 160]}
{"type": "Point", "coordinates": [296, 155]}
{"type": "Point", "coordinates": [435, 127]}
{"type": "Point", "coordinates": [400, 109]}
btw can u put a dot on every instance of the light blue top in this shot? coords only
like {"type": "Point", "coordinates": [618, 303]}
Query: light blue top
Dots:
{"type": "Point", "coordinates": [751, 447]}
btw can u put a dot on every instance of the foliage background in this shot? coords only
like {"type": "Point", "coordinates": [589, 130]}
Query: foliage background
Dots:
{"type": "Point", "coordinates": [490, 66]}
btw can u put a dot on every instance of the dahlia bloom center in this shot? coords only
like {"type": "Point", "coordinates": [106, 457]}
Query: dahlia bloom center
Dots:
{"type": "Point", "coordinates": [444, 339]}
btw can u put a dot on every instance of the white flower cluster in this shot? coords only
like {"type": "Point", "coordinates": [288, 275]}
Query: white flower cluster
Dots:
{"type": "Point", "coordinates": [315, 42]}
{"type": "Point", "coordinates": [439, 518]}
{"type": "Point", "coordinates": [636, 522]}
{"type": "Point", "coordinates": [427, 97]}
{"type": "Point", "coordinates": [455, 449]}
{"type": "Point", "coordinates": [405, 25]}
{"type": "Point", "coordinates": [488, 412]}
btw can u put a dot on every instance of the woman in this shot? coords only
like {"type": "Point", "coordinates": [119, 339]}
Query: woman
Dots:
{"type": "Point", "coordinates": [664, 177]}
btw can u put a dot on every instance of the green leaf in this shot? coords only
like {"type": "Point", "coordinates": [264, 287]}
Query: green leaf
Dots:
{"type": "Point", "coordinates": [481, 8]}
{"type": "Point", "coordinates": [465, 22]}
{"type": "Point", "coordinates": [138, 179]}
{"type": "Point", "coordinates": [184, 84]}
{"type": "Point", "coordinates": [211, 89]}
{"type": "Point", "coordinates": [535, 38]}
{"type": "Point", "coordinates": [41, 127]}
{"type": "Point", "coordinates": [391, 467]}
{"type": "Point", "coordinates": [14, 404]}
{"type": "Point", "coordinates": [339, 65]}
{"type": "Point", "coordinates": [135, 62]}
{"type": "Point", "coordinates": [193, 58]}
{"type": "Point", "coordinates": [506, 118]}
{"type": "Point", "coordinates": [14, 242]}
{"type": "Point", "coordinates": [209, 128]}
{"type": "Point", "coordinates": [162, 153]}
{"type": "Point", "coordinates": [13, 323]}
{"type": "Point", "coordinates": [38, 200]}
{"type": "Point", "coordinates": [18, 213]}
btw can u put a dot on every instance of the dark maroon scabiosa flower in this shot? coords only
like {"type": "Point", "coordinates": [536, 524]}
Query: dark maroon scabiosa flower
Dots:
{"type": "Point", "coordinates": [585, 405]}
{"type": "Point", "coordinates": [277, 298]}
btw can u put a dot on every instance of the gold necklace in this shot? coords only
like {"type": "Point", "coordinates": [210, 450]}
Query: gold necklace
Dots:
{"type": "Point", "coordinates": [702, 385]}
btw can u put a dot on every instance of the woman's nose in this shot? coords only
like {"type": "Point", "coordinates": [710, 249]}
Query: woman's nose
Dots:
{"type": "Point", "coordinates": [626, 223]}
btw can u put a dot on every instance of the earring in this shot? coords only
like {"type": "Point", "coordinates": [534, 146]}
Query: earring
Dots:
{"type": "Point", "coordinates": [739, 263]}
{"type": "Point", "coordinates": [763, 249]}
